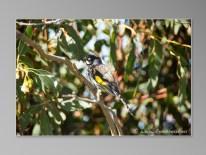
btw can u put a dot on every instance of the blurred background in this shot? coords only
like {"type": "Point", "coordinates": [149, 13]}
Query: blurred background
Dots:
{"type": "Point", "coordinates": [152, 58]}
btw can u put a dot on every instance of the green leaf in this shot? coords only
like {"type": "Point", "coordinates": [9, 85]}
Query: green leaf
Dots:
{"type": "Point", "coordinates": [85, 105]}
{"type": "Point", "coordinates": [22, 47]}
{"type": "Point", "coordinates": [87, 36]}
{"type": "Point", "coordinates": [69, 106]}
{"type": "Point", "coordinates": [26, 60]}
{"type": "Point", "coordinates": [106, 31]}
{"type": "Point", "coordinates": [167, 22]}
{"type": "Point", "coordinates": [179, 53]}
{"type": "Point", "coordinates": [128, 94]}
{"type": "Point", "coordinates": [38, 58]}
{"type": "Point", "coordinates": [71, 50]}
{"type": "Point", "coordinates": [64, 41]}
{"type": "Point", "coordinates": [153, 82]}
{"type": "Point", "coordinates": [113, 48]}
{"type": "Point", "coordinates": [28, 31]}
{"type": "Point", "coordinates": [27, 117]}
{"type": "Point", "coordinates": [74, 51]}
{"type": "Point", "coordinates": [61, 47]}
{"type": "Point", "coordinates": [45, 125]}
{"type": "Point", "coordinates": [85, 22]}
{"type": "Point", "coordinates": [99, 43]}
{"type": "Point", "coordinates": [172, 22]}
{"type": "Point", "coordinates": [35, 108]}
{"type": "Point", "coordinates": [177, 27]}
{"type": "Point", "coordinates": [43, 72]}
{"type": "Point", "coordinates": [181, 73]}
{"type": "Point", "coordinates": [186, 22]}
{"type": "Point", "coordinates": [155, 62]}
{"type": "Point", "coordinates": [36, 130]}
{"type": "Point", "coordinates": [131, 60]}
{"type": "Point", "coordinates": [72, 86]}
{"type": "Point", "coordinates": [80, 53]}
{"type": "Point", "coordinates": [143, 87]}
{"type": "Point", "coordinates": [55, 112]}
{"type": "Point", "coordinates": [47, 84]}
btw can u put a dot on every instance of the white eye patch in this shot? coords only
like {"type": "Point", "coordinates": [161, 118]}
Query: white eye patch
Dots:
{"type": "Point", "coordinates": [88, 62]}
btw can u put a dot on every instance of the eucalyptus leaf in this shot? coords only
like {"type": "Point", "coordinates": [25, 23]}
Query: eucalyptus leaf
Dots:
{"type": "Point", "coordinates": [45, 124]}
{"type": "Point", "coordinates": [28, 31]}
{"type": "Point", "coordinates": [99, 43]}
{"type": "Point", "coordinates": [36, 131]}
{"type": "Point", "coordinates": [80, 53]}
{"type": "Point", "coordinates": [70, 106]}
{"type": "Point", "coordinates": [47, 83]}
{"type": "Point", "coordinates": [55, 112]}
{"type": "Point", "coordinates": [23, 47]}
{"type": "Point", "coordinates": [113, 48]}
{"type": "Point", "coordinates": [131, 60]}
{"type": "Point", "coordinates": [177, 27]}
{"type": "Point", "coordinates": [87, 36]}
{"type": "Point", "coordinates": [27, 117]}
{"type": "Point", "coordinates": [155, 61]}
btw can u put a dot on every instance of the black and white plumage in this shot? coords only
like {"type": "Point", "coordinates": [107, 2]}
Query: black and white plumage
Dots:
{"type": "Point", "coordinates": [103, 78]}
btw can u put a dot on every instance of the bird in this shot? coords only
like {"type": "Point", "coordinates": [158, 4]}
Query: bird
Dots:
{"type": "Point", "coordinates": [102, 76]}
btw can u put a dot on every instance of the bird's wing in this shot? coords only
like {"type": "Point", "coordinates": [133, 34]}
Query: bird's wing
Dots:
{"type": "Point", "coordinates": [106, 72]}
{"type": "Point", "coordinates": [108, 76]}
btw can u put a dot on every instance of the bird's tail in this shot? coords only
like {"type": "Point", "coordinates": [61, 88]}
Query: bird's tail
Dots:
{"type": "Point", "coordinates": [128, 108]}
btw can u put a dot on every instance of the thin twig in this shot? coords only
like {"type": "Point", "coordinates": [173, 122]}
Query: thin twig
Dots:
{"type": "Point", "coordinates": [44, 22]}
{"type": "Point", "coordinates": [134, 33]}
{"type": "Point", "coordinates": [62, 60]}
{"type": "Point", "coordinates": [116, 121]}
{"type": "Point", "coordinates": [170, 41]}
{"type": "Point", "coordinates": [75, 97]}
{"type": "Point", "coordinates": [108, 114]}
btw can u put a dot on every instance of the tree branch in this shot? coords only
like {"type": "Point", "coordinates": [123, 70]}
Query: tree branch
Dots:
{"type": "Point", "coordinates": [44, 22]}
{"type": "Point", "coordinates": [75, 97]}
{"type": "Point", "coordinates": [115, 130]}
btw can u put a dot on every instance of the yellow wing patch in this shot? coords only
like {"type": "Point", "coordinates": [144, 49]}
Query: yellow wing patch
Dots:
{"type": "Point", "coordinates": [100, 81]}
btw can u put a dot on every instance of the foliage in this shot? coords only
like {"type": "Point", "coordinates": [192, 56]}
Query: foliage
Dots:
{"type": "Point", "coordinates": [153, 63]}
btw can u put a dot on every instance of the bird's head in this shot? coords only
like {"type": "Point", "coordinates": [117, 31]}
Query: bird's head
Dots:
{"type": "Point", "coordinates": [92, 60]}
